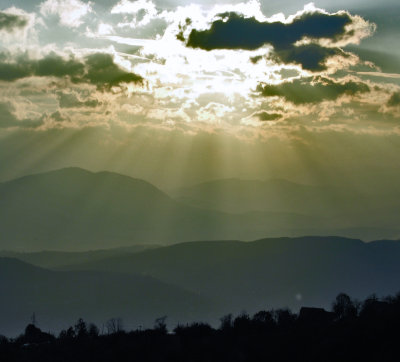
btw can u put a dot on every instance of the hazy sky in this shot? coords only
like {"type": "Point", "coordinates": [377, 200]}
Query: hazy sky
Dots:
{"type": "Point", "coordinates": [178, 92]}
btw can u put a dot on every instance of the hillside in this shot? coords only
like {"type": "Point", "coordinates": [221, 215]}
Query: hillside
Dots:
{"type": "Point", "coordinates": [269, 272]}
{"type": "Point", "coordinates": [77, 210]}
{"type": "Point", "coordinates": [344, 207]}
{"type": "Point", "coordinates": [73, 209]}
{"type": "Point", "coordinates": [59, 298]}
{"type": "Point", "coordinates": [53, 259]}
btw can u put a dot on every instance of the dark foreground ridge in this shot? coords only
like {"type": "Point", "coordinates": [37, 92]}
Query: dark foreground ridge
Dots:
{"type": "Point", "coordinates": [352, 331]}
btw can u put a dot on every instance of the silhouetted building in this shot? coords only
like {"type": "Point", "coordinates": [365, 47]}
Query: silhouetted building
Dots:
{"type": "Point", "coordinates": [315, 316]}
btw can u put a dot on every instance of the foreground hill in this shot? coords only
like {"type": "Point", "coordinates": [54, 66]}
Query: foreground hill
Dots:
{"type": "Point", "coordinates": [74, 209]}
{"type": "Point", "coordinates": [269, 272]}
{"type": "Point", "coordinates": [59, 298]}
{"type": "Point", "coordinates": [364, 331]}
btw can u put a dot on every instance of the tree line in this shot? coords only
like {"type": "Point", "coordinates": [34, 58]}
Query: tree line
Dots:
{"type": "Point", "coordinates": [351, 331]}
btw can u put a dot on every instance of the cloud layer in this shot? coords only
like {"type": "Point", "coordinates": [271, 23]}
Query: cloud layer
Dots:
{"type": "Point", "coordinates": [313, 89]}
{"type": "Point", "coordinates": [98, 69]}
{"type": "Point", "coordinates": [218, 68]}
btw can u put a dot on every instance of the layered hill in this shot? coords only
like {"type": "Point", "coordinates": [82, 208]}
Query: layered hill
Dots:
{"type": "Point", "coordinates": [74, 209]}
{"type": "Point", "coordinates": [56, 259]}
{"type": "Point", "coordinates": [58, 299]}
{"type": "Point", "coordinates": [279, 195]}
{"type": "Point", "coordinates": [270, 272]}
{"type": "Point", "coordinates": [342, 210]}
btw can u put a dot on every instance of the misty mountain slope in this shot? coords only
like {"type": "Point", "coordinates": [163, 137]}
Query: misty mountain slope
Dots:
{"type": "Point", "coordinates": [269, 272]}
{"type": "Point", "coordinates": [53, 259]}
{"type": "Point", "coordinates": [75, 204]}
{"type": "Point", "coordinates": [342, 211]}
{"type": "Point", "coordinates": [59, 298]}
{"type": "Point", "coordinates": [235, 195]}
{"type": "Point", "coordinates": [74, 209]}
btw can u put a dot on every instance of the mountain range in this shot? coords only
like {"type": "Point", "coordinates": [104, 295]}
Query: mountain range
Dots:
{"type": "Point", "coordinates": [195, 281]}
{"type": "Point", "coordinates": [269, 272]}
{"type": "Point", "coordinates": [100, 245]}
{"type": "Point", "coordinates": [74, 209]}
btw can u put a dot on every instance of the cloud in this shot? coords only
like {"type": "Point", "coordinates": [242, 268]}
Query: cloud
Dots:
{"type": "Point", "coordinates": [312, 57]}
{"type": "Point", "coordinates": [308, 38]}
{"type": "Point", "coordinates": [69, 12]}
{"type": "Point", "coordinates": [394, 100]}
{"type": "Point", "coordinates": [18, 30]}
{"type": "Point", "coordinates": [102, 71]}
{"type": "Point", "coordinates": [313, 89]}
{"type": "Point", "coordinates": [10, 22]}
{"type": "Point", "coordinates": [71, 100]}
{"type": "Point", "coordinates": [262, 79]}
{"type": "Point", "coordinates": [98, 69]}
{"type": "Point", "coordinates": [234, 31]}
{"type": "Point", "coordinates": [267, 116]}
{"type": "Point", "coordinates": [381, 74]}
{"type": "Point", "coordinates": [133, 7]}
{"type": "Point", "coordinates": [9, 120]}
{"type": "Point", "coordinates": [143, 11]}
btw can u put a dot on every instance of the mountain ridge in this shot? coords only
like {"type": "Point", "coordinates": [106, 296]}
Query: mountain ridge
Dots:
{"type": "Point", "coordinates": [246, 275]}
{"type": "Point", "coordinates": [74, 209]}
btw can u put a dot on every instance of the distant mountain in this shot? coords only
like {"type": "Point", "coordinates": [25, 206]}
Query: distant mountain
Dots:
{"type": "Point", "coordinates": [58, 299]}
{"type": "Point", "coordinates": [54, 259]}
{"type": "Point", "coordinates": [343, 211]}
{"type": "Point", "coordinates": [277, 195]}
{"type": "Point", "coordinates": [270, 272]}
{"type": "Point", "coordinates": [74, 209]}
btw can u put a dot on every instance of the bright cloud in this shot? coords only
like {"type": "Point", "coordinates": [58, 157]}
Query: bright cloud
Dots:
{"type": "Point", "coordinates": [143, 11]}
{"type": "Point", "coordinates": [70, 12]}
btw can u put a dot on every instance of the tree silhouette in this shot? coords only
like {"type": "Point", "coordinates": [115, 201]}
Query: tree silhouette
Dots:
{"type": "Point", "coordinates": [346, 334]}
{"type": "Point", "coordinates": [114, 325]}
{"type": "Point", "coordinates": [160, 325]}
{"type": "Point", "coordinates": [344, 307]}
{"type": "Point", "coordinates": [81, 328]}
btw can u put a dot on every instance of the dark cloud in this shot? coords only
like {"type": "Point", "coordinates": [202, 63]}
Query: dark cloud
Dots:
{"type": "Point", "coordinates": [311, 56]}
{"type": "Point", "coordinates": [234, 31]}
{"type": "Point", "coordinates": [10, 22]}
{"type": "Point", "coordinates": [394, 100]}
{"type": "Point", "coordinates": [312, 89]}
{"type": "Point", "coordinates": [267, 116]}
{"type": "Point", "coordinates": [98, 69]}
{"type": "Point", "coordinates": [56, 66]}
{"type": "Point", "coordinates": [13, 71]}
{"type": "Point", "coordinates": [101, 70]}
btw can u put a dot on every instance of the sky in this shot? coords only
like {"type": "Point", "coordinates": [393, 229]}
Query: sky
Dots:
{"type": "Point", "coordinates": [176, 92]}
